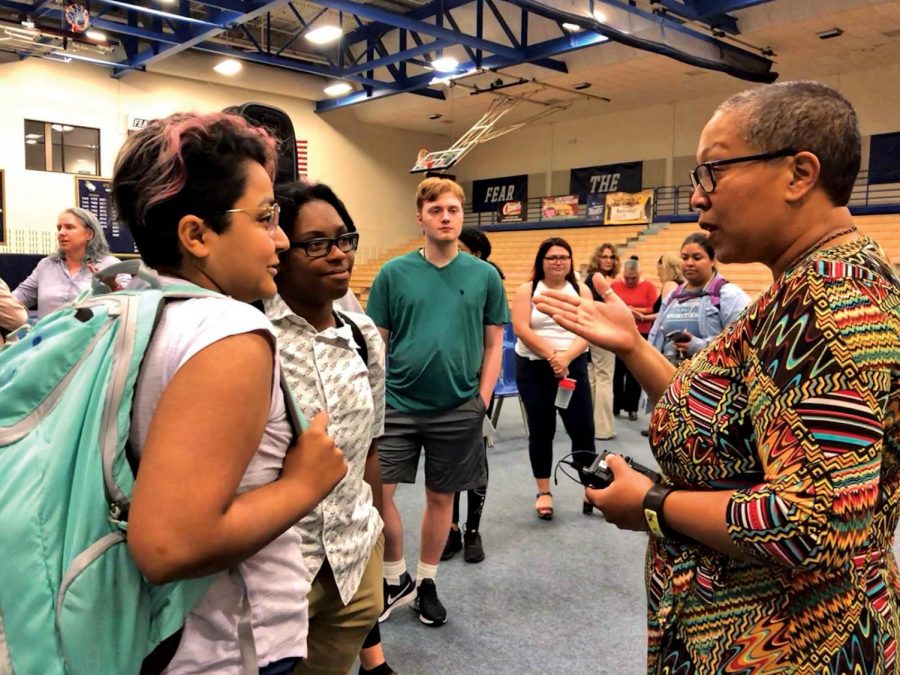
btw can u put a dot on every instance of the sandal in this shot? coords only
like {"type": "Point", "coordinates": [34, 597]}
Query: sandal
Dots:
{"type": "Point", "coordinates": [544, 512]}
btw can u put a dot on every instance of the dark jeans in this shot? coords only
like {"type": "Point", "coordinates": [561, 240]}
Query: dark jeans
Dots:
{"type": "Point", "coordinates": [537, 386]}
{"type": "Point", "coordinates": [626, 390]}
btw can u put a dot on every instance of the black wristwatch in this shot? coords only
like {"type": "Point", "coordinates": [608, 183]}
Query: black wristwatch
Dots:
{"type": "Point", "coordinates": [653, 510]}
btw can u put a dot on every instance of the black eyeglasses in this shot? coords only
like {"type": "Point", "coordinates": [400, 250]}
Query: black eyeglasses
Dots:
{"type": "Point", "coordinates": [270, 215]}
{"type": "Point", "coordinates": [319, 248]}
{"type": "Point", "coordinates": [557, 258]}
{"type": "Point", "coordinates": [704, 175]}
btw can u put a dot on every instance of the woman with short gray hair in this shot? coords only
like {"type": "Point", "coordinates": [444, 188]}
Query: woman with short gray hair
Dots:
{"type": "Point", "coordinates": [60, 277]}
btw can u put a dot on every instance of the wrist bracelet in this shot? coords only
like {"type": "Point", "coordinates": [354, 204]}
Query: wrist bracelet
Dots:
{"type": "Point", "coordinates": [653, 511]}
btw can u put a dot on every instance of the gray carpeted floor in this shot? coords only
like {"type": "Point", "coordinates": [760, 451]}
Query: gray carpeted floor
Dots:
{"type": "Point", "coordinates": [560, 596]}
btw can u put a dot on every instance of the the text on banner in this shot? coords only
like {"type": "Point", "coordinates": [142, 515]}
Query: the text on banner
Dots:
{"type": "Point", "coordinates": [588, 180]}
{"type": "Point", "coordinates": [491, 193]}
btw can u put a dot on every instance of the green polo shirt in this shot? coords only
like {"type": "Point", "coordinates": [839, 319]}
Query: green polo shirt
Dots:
{"type": "Point", "coordinates": [436, 317]}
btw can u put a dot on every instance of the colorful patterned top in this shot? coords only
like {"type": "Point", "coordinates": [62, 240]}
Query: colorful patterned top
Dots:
{"type": "Point", "coordinates": [796, 406]}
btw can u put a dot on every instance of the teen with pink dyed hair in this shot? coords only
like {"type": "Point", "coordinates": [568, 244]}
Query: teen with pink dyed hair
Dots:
{"type": "Point", "coordinates": [218, 488]}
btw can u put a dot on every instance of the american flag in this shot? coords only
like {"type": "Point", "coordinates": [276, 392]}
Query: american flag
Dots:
{"type": "Point", "coordinates": [303, 159]}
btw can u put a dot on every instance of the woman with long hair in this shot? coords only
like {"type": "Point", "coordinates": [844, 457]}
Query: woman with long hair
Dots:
{"type": "Point", "coordinates": [546, 353]}
{"type": "Point", "coordinates": [699, 308]}
{"type": "Point", "coordinates": [602, 363]}
{"type": "Point", "coordinates": [60, 277]}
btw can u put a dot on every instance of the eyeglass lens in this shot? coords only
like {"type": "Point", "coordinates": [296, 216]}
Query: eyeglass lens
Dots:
{"type": "Point", "coordinates": [557, 258]}
{"type": "Point", "coordinates": [318, 248]}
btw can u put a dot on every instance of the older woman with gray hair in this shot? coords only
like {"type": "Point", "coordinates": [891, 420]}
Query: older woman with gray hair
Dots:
{"type": "Point", "coordinates": [60, 277]}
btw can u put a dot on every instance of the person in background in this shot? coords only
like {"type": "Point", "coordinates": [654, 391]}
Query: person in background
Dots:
{"type": "Point", "coordinates": [668, 269]}
{"type": "Point", "coordinates": [220, 484]}
{"type": "Point", "coordinates": [323, 365]}
{"type": "Point", "coordinates": [59, 278]}
{"type": "Point", "coordinates": [441, 313]}
{"type": "Point", "coordinates": [475, 242]}
{"type": "Point", "coordinates": [546, 353]}
{"type": "Point", "coordinates": [698, 309]}
{"type": "Point", "coordinates": [602, 364]}
{"type": "Point", "coordinates": [772, 530]}
{"type": "Point", "coordinates": [639, 296]}
{"type": "Point", "coordinates": [12, 312]}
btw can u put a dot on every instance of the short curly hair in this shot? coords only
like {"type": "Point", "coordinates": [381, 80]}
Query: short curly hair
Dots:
{"type": "Point", "coordinates": [186, 163]}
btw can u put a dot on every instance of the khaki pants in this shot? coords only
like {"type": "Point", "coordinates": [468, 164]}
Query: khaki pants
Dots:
{"type": "Point", "coordinates": [337, 631]}
{"type": "Point", "coordinates": [600, 372]}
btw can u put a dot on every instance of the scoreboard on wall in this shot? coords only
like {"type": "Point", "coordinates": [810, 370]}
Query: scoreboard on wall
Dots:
{"type": "Point", "coordinates": [93, 194]}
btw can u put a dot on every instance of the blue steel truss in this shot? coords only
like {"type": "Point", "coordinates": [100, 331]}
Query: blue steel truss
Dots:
{"type": "Point", "coordinates": [388, 52]}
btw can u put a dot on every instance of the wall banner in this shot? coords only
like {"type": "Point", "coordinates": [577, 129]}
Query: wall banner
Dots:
{"type": "Point", "coordinates": [884, 158]}
{"type": "Point", "coordinates": [625, 208]}
{"type": "Point", "coordinates": [588, 180]}
{"type": "Point", "coordinates": [491, 193]}
{"type": "Point", "coordinates": [561, 206]}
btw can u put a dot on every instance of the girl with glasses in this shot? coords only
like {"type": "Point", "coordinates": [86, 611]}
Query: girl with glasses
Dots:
{"type": "Point", "coordinates": [221, 483]}
{"type": "Point", "coordinates": [546, 353]}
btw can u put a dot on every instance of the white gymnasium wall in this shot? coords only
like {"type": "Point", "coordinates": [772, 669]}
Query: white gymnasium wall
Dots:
{"type": "Point", "coordinates": [366, 165]}
{"type": "Point", "coordinates": [663, 136]}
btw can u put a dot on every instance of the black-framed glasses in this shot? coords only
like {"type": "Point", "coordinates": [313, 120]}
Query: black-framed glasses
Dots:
{"type": "Point", "coordinates": [704, 175]}
{"type": "Point", "coordinates": [321, 247]}
{"type": "Point", "coordinates": [269, 215]}
{"type": "Point", "coordinates": [557, 258]}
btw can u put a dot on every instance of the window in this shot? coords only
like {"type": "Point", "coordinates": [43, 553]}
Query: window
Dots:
{"type": "Point", "coordinates": [52, 146]}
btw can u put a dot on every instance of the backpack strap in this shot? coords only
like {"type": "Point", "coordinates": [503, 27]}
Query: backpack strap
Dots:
{"type": "Point", "coordinates": [714, 290]}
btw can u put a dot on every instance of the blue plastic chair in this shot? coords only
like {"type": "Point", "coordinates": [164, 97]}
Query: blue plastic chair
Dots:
{"type": "Point", "coordinates": [506, 384]}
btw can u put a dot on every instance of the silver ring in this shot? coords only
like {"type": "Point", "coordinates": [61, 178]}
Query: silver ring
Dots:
{"type": "Point", "coordinates": [608, 292]}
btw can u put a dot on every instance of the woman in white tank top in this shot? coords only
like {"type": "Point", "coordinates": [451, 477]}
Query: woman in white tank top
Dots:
{"type": "Point", "coordinates": [546, 353]}
{"type": "Point", "coordinates": [218, 488]}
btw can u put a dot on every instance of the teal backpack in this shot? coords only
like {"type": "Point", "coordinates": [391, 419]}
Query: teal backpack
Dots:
{"type": "Point", "coordinates": [72, 601]}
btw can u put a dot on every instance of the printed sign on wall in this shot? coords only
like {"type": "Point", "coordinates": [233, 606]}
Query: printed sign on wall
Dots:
{"type": "Point", "coordinates": [625, 208]}
{"type": "Point", "coordinates": [491, 193]}
{"type": "Point", "coordinates": [561, 206]}
{"type": "Point", "coordinates": [589, 180]}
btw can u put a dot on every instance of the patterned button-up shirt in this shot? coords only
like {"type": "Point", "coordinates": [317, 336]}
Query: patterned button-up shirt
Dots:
{"type": "Point", "coordinates": [326, 372]}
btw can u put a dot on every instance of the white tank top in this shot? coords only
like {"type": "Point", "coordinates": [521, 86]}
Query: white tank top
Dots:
{"type": "Point", "coordinates": [555, 335]}
{"type": "Point", "coordinates": [275, 576]}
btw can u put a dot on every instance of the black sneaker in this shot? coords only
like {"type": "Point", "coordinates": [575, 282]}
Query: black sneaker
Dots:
{"type": "Point", "coordinates": [431, 611]}
{"type": "Point", "coordinates": [397, 596]}
{"type": "Point", "coordinates": [474, 552]}
{"type": "Point", "coordinates": [454, 544]}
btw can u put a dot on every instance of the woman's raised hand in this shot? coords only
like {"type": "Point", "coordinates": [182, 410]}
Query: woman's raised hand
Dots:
{"type": "Point", "coordinates": [609, 325]}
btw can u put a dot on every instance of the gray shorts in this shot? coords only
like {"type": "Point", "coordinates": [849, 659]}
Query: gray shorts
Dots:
{"type": "Point", "coordinates": [454, 447]}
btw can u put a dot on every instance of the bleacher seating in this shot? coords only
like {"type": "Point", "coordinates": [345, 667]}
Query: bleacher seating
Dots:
{"type": "Point", "coordinates": [514, 251]}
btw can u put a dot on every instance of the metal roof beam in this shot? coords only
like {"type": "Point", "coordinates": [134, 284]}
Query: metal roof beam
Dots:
{"type": "Point", "coordinates": [688, 11]}
{"type": "Point", "coordinates": [405, 21]}
{"type": "Point", "coordinates": [197, 37]}
{"type": "Point", "coordinates": [665, 36]}
{"type": "Point", "coordinates": [425, 12]}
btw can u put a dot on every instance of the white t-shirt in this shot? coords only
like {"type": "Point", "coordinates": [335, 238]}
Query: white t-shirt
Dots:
{"type": "Point", "coordinates": [555, 335]}
{"type": "Point", "coordinates": [276, 578]}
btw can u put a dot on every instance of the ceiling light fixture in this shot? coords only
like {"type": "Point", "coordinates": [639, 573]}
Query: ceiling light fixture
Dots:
{"type": "Point", "coordinates": [30, 141]}
{"type": "Point", "coordinates": [62, 128]}
{"type": "Point", "coordinates": [228, 67]}
{"type": "Point", "coordinates": [338, 89]}
{"type": "Point", "coordinates": [600, 15]}
{"type": "Point", "coordinates": [830, 33]}
{"type": "Point", "coordinates": [571, 27]}
{"type": "Point", "coordinates": [324, 34]}
{"type": "Point", "coordinates": [445, 64]}
{"type": "Point", "coordinates": [581, 85]}
{"type": "Point", "coordinates": [95, 35]}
